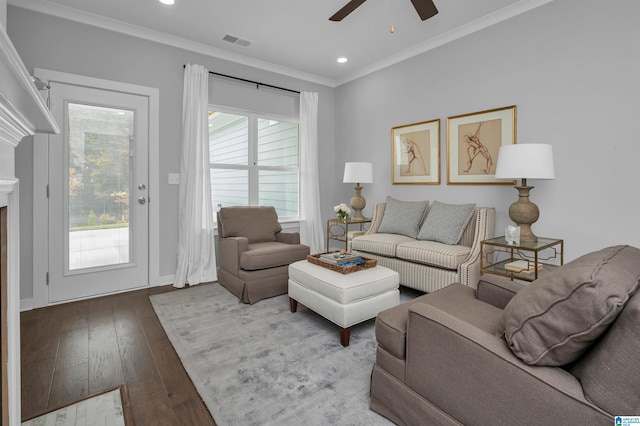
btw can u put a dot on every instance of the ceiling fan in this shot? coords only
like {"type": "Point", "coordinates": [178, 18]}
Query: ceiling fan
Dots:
{"type": "Point", "coordinates": [425, 8]}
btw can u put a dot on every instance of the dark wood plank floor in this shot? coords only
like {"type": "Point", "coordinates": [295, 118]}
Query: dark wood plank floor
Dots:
{"type": "Point", "coordinates": [82, 348]}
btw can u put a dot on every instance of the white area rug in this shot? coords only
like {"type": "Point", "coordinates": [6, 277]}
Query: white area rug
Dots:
{"type": "Point", "coordinates": [104, 410]}
{"type": "Point", "coordinates": [263, 365]}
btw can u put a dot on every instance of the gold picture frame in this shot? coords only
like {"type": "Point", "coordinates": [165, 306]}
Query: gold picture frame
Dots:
{"type": "Point", "coordinates": [415, 153]}
{"type": "Point", "coordinates": [473, 143]}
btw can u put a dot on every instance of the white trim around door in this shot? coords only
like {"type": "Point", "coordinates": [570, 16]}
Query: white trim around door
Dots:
{"type": "Point", "coordinates": [41, 172]}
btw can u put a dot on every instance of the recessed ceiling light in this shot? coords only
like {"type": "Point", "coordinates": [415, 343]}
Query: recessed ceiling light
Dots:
{"type": "Point", "coordinates": [342, 60]}
{"type": "Point", "coordinates": [169, 2]}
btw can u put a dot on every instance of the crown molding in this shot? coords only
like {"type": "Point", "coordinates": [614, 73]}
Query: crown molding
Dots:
{"type": "Point", "coordinates": [64, 12]}
{"type": "Point", "coordinates": [476, 25]}
{"type": "Point", "coordinates": [109, 24]}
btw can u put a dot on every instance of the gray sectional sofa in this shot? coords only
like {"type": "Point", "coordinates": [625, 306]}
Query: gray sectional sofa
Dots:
{"type": "Point", "coordinates": [563, 350]}
{"type": "Point", "coordinates": [430, 245]}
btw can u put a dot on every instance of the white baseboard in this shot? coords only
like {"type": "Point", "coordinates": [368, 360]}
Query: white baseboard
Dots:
{"type": "Point", "coordinates": [26, 304]}
{"type": "Point", "coordinates": [29, 304]}
{"type": "Point", "coordinates": [165, 280]}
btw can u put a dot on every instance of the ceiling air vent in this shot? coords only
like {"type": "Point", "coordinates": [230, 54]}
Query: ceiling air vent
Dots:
{"type": "Point", "coordinates": [236, 40]}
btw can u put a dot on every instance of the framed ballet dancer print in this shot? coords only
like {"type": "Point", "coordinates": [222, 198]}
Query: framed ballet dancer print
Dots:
{"type": "Point", "coordinates": [415, 153]}
{"type": "Point", "coordinates": [473, 143]}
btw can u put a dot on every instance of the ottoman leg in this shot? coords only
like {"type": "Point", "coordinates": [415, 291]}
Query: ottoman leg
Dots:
{"type": "Point", "coordinates": [293, 305]}
{"type": "Point", "coordinates": [345, 333]}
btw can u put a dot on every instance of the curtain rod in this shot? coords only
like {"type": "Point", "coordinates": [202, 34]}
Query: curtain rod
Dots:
{"type": "Point", "coordinates": [257, 83]}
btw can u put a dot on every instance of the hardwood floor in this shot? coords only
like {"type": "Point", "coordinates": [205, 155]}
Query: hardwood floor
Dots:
{"type": "Point", "coordinates": [81, 348]}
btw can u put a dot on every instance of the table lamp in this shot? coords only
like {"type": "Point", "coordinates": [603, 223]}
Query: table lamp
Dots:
{"type": "Point", "coordinates": [525, 161]}
{"type": "Point", "coordinates": [358, 173]}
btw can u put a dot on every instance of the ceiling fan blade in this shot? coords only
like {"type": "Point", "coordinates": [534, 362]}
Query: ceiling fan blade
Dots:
{"type": "Point", "coordinates": [425, 8]}
{"type": "Point", "coordinates": [347, 9]}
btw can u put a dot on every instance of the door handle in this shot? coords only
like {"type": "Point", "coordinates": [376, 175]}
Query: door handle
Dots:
{"type": "Point", "coordinates": [142, 200]}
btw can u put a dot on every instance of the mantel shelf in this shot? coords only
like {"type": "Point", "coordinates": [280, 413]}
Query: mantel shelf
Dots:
{"type": "Point", "coordinates": [22, 105]}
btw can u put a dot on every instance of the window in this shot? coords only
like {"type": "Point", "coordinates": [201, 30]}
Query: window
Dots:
{"type": "Point", "coordinates": [254, 161]}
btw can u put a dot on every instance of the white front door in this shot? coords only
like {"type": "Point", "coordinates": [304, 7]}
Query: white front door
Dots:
{"type": "Point", "coordinates": [98, 192]}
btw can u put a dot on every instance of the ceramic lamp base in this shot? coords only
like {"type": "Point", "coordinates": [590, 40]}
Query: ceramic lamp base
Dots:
{"type": "Point", "coordinates": [524, 213]}
{"type": "Point", "coordinates": [357, 204]}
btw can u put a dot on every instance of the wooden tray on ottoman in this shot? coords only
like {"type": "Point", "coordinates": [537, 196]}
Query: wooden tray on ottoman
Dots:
{"type": "Point", "coordinates": [368, 263]}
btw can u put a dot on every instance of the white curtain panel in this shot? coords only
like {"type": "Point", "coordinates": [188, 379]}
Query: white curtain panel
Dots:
{"type": "Point", "coordinates": [196, 249]}
{"type": "Point", "coordinates": [311, 230]}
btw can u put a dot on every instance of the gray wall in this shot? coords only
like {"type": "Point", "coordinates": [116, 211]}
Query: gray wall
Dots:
{"type": "Point", "coordinates": [571, 67]}
{"type": "Point", "coordinates": [56, 44]}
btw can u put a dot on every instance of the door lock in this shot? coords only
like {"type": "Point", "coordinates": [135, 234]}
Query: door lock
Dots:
{"type": "Point", "coordinates": [142, 186]}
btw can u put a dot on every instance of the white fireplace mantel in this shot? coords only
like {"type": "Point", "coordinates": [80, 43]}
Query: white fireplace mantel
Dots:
{"type": "Point", "coordinates": [23, 112]}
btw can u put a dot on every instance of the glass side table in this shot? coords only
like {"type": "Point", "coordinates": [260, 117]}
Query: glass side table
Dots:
{"type": "Point", "coordinates": [526, 261]}
{"type": "Point", "coordinates": [338, 230]}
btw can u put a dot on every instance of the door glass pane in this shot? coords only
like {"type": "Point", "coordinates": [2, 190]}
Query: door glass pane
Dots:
{"type": "Point", "coordinates": [99, 182]}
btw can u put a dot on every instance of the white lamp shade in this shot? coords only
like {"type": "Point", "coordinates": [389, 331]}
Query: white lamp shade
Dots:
{"type": "Point", "coordinates": [528, 161]}
{"type": "Point", "coordinates": [358, 173]}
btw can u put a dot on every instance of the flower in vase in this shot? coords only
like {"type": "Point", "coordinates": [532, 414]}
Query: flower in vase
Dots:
{"type": "Point", "coordinates": [342, 211]}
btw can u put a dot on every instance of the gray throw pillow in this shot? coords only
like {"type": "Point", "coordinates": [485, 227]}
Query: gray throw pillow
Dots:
{"type": "Point", "coordinates": [402, 217]}
{"type": "Point", "coordinates": [256, 223]}
{"type": "Point", "coordinates": [555, 319]}
{"type": "Point", "coordinates": [445, 223]}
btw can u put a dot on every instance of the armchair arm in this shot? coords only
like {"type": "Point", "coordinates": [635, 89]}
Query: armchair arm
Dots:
{"type": "Point", "coordinates": [288, 237]}
{"type": "Point", "coordinates": [376, 218]}
{"type": "Point", "coordinates": [485, 222]}
{"type": "Point", "coordinates": [496, 290]}
{"type": "Point", "coordinates": [473, 376]}
{"type": "Point", "coordinates": [229, 252]}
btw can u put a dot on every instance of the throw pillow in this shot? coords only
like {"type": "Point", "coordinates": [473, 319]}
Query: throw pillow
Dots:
{"type": "Point", "coordinates": [256, 223]}
{"type": "Point", "coordinates": [402, 217]}
{"type": "Point", "coordinates": [555, 319]}
{"type": "Point", "coordinates": [445, 223]}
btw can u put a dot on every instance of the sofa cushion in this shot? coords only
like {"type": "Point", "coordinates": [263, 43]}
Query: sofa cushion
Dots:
{"type": "Point", "coordinates": [433, 253]}
{"type": "Point", "coordinates": [445, 223]}
{"type": "Point", "coordinates": [382, 244]}
{"type": "Point", "coordinates": [257, 224]}
{"type": "Point", "coordinates": [608, 373]}
{"type": "Point", "coordinates": [402, 217]}
{"type": "Point", "coordinates": [456, 299]}
{"type": "Point", "coordinates": [555, 319]}
{"type": "Point", "coordinates": [271, 254]}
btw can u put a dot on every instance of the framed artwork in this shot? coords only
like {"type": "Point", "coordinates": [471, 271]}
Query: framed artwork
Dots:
{"type": "Point", "coordinates": [415, 153]}
{"type": "Point", "coordinates": [473, 143]}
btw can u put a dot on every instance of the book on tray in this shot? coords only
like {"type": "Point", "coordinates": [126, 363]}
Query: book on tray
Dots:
{"type": "Point", "coordinates": [522, 266]}
{"type": "Point", "coordinates": [344, 259]}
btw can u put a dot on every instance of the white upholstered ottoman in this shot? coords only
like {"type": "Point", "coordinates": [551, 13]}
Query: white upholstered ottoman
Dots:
{"type": "Point", "coordinates": [346, 299]}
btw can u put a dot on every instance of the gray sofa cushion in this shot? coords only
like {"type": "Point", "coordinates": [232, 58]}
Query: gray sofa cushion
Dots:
{"type": "Point", "coordinates": [555, 319]}
{"type": "Point", "coordinates": [456, 299]}
{"type": "Point", "coordinates": [257, 224]}
{"type": "Point", "coordinates": [609, 376]}
{"type": "Point", "coordinates": [402, 217]}
{"type": "Point", "coordinates": [271, 254]}
{"type": "Point", "coordinates": [446, 222]}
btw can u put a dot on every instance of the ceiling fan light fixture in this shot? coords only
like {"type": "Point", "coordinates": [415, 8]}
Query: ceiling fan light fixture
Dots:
{"type": "Point", "coordinates": [342, 60]}
{"type": "Point", "coordinates": [167, 2]}
{"type": "Point", "coordinates": [425, 9]}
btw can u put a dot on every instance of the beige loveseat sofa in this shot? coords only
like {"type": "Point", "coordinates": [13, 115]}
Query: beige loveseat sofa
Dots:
{"type": "Point", "coordinates": [419, 255]}
{"type": "Point", "coordinates": [563, 350]}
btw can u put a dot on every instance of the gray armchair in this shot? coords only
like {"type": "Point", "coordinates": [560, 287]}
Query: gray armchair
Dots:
{"type": "Point", "coordinates": [253, 254]}
{"type": "Point", "coordinates": [563, 350]}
